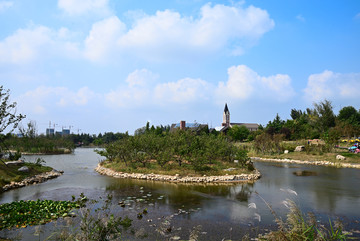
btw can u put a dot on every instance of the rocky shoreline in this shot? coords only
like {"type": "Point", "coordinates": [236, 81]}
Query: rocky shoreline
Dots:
{"type": "Point", "coordinates": [179, 179]}
{"type": "Point", "coordinates": [33, 180]}
{"type": "Point", "coordinates": [316, 163]}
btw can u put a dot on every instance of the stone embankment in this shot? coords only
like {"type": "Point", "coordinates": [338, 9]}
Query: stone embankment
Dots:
{"type": "Point", "coordinates": [178, 179]}
{"type": "Point", "coordinates": [33, 180]}
{"type": "Point", "coordinates": [316, 163]}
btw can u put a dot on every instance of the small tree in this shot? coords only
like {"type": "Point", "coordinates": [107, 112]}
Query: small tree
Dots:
{"type": "Point", "coordinates": [9, 120]}
{"type": "Point", "coordinates": [239, 133]}
{"type": "Point", "coordinates": [31, 130]}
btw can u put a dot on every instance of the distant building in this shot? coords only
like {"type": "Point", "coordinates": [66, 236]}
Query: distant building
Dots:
{"type": "Point", "coordinates": [65, 132]}
{"type": "Point", "coordinates": [189, 126]}
{"type": "Point", "coordinates": [50, 131]}
{"type": "Point", "coordinates": [226, 124]}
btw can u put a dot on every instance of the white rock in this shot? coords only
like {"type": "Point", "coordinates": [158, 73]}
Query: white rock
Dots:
{"type": "Point", "coordinates": [299, 148]}
{"type": "Point", "coordinates": [340, 157]}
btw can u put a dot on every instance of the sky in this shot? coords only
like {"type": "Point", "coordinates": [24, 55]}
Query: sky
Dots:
{"type": "Point", "coordinates": [97, 66]}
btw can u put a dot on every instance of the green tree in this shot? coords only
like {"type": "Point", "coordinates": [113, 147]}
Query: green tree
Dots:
{"type": "Point", "coordinates": [239, 133]}
{"type": "Point", "coordinates": [31, 131]}
{"type": "Point", "coordinates": [322, 116]}
{"type": "Point", "coordinates": [274, 127]}
{"type": "Point", "coordinates": [296, 114]}
{"type": "Point", "coordinates": [349, 115]}
{"type": "Point", "coordinates": [9, 120]}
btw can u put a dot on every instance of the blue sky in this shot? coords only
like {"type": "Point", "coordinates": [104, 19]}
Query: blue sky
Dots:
{"type": "Point", "coordinates": [106, 65]}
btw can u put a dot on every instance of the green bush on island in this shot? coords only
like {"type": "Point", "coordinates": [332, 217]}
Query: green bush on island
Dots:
{"type": "Point", "coordinates": [182, 152]}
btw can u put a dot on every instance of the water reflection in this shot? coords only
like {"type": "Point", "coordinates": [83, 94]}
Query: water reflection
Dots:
{"type": "Point", "coordinates": [177, 195]}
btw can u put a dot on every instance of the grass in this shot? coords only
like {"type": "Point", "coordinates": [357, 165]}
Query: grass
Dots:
{"type": "Point", "coordinates": [10, 173]}
{"type": "Point", "coordinates": [216, 169]}
{"type": "Point", "coordinates": [299, 226]}
{"type": "Point", "coordinates": [311, 153]}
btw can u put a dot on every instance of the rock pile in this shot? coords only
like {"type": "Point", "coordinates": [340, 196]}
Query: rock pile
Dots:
{"type": "Point", "coordinates": [177, 178]}
{"type": "Point", "coordinates": [316, 163]}
{"type": "Point", "coordinates": [33, 180]}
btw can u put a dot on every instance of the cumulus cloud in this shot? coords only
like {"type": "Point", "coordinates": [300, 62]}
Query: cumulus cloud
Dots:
{"type": "Point", "coordinates": [143, 88]}
{"type": "Point", "coordinates": [183, 91]}
{"type": "Point", "coordinates": [167, 34]}
{"type": "Point", "coordinates": [136, 92]}
{"type": "Point", "coordinates": [159, 37]}
{"type": "Point", "coordinates": [244, 83]}
{"type": "Point", "coordinates": [100, 41]}
{"type": "Point", "coordinates": [29, 44]}
{"type": "Point", "coordinates": [43, 98]}
{"type": "Point", "coordinates": [80, 7]}
{"type": "Point", "coordinates": [5, 5]}
{"type": "Point", "coordinates": [330, 85]}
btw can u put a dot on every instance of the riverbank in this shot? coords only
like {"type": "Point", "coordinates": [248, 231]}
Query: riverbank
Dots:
{"type": "Point", "coordinates": [43, 177]}
{"type": "Point", "coordinates": [180, 179]}
{"type": "Point", "coordinates": [54, 152]}
{"type": "Point", "coordinates": [337, 164]}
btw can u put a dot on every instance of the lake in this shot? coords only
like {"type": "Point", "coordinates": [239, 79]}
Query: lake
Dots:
{"type": "Point", "coordinates": [221, 210]}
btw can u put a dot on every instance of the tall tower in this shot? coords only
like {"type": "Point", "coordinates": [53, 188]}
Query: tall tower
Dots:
{"type": "Point", "coordinates": [226, 116]}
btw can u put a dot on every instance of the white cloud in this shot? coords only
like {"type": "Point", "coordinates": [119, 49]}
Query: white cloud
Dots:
{"type": "Point", "coordinates": [42, 99]}
{"type": "Point", "coordinates": [240, 84]}
{"type": "Point", "coordinates": [101, 39]}
{"type": "Point", "coordinates": [142, 78]}
{"type": "Point", "coordinates": [162, 36]}
{"type": "Point", "coordinates": [136, 92]}
{"type": "Point", "coordinates": [243, 83]}
{"type": "Point", "coordinates": [183, 91]}
{"type": "Point", "coordinates": [5, 5]}
{"type": "Point", "coordinates": [36, 42]}
{"type": "Point", "coordinates": [80, 98]}
{"type": "Point", "coordinates": [167, 34]}
{"type": "Point", "coordinates": [332, 86]}
{"type": "Point", "coordinates": [143, 89]}
{"type": "Point", "coordinates": [357, 16]}
{"type": "Point", "coordinates": [80, 7]}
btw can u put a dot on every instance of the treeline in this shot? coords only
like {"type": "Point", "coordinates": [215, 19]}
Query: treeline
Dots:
{"type": "Point", "coordinates": [84, 139]}
{"type": "Point", "coordinates": [177, 149]}
{"type": "Point", "coordinates": [317, 122]}
{"type": "Point", "coordinates": [55, 144]}
{"type": "Point", "coordinates": [39, 144]}
{"type": "Point", "coordinates": [312, 123]}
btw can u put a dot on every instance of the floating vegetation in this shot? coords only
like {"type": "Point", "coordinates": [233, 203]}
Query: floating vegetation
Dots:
{"type": "Point", "coordinates": [24, 213]}
{"type": "Point", "coordinates": [305, 173]}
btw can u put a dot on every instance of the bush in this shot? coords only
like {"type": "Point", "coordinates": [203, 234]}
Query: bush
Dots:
{"type": "Point", "coordinates": [201, 152]}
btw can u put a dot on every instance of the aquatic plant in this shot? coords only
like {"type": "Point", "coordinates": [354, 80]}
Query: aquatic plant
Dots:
{"type": "Point", "coordinates": [95, 223]}
{"type": "Point", "coordinates": [23, 213]}
{"type": "Point", "coordinates": [299, 226]}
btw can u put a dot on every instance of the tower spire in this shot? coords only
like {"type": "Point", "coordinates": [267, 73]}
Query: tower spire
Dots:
{"type": "Point", "coordinates": [226, 116]}
{"type": "Point", "coordinates": [226, 109]}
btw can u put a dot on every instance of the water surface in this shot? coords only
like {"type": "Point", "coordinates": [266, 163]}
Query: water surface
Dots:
{"type": "Point", "coordinates": [221, 210]}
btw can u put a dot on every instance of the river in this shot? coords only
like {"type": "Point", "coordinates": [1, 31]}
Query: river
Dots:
{"type": "Point", "coordinates": [221, 210]}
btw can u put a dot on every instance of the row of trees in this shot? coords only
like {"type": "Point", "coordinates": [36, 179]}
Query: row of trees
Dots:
{"type": "Point", "coordinates": [317, 122]}
{"type": "Point", "coordinates": [182, 148]}
{"type": "Point", "coordinates": [313, 123]}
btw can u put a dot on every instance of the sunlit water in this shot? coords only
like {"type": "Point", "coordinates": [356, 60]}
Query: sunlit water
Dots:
{"type": "Point", "coordinates": [221, 210]}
